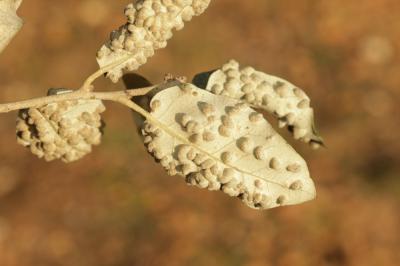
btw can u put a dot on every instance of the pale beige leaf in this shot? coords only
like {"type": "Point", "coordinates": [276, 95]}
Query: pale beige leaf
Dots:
{"type": "Point", "coordinates": [149, 27]}
{"type": "Point", "coordinates": [10, 23]}
{"type": "Point", "coordinates": [65, 130]}
{"type": "Point", "coordinates": [221, 144]}
{"type": "Point", "coordinates": [277, 96]}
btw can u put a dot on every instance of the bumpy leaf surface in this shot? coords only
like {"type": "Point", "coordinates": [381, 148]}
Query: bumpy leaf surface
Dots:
{"type": "Point", "coordinates": [150, 25]}
{"type": "Point", "coordinates": [65, 130]}
{"type": "Point", "coordinates": [218, 143]}
{"type": "Point", "coordinates": [275, 95]}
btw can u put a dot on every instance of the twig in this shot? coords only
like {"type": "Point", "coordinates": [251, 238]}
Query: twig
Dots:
{"type": "Point", "coordinates": [87, 84]}
{"type": "Point", "coordinates": [115, 96]}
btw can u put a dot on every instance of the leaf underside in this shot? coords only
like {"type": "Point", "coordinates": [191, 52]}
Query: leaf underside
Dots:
{"type": "Point", "coordinates": [288, 103]}
{"type": "Point", "coordinates": [218, 143]}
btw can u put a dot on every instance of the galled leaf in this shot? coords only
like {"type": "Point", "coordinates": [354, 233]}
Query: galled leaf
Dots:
{"type": "Point", "coordinates": [218, 143]}
{"type": "Point", "coordinates": [277, 96]}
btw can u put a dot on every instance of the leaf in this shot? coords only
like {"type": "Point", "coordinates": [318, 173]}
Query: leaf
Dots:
{"type": "Point", "coordinates": [10, 23]}
{"type": "Point", "coordinates": [65, 130]}
{"type": "Point", "coordinates": [149, 27]}
{"type": "Point", "coordinates": [215, 142]}
{"type": "Point", "coordinates": [275, 95]}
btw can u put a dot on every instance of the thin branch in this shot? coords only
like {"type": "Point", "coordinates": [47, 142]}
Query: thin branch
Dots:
{"type": "Point", "coordinates": [87, 84]}
{"type": "Point", "coordinates": [75, 95]}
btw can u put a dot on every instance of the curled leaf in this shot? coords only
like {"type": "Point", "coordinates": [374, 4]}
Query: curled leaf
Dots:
{"type": "Point", "coordinates": [277, 96]}
{"type": "Point", "coordinates": [10, 23]}
{"type": "Point", "coordinates": [218, 143]}
{"type": "Point", "coordinates": [149, 27]}
{"type": "Point", "coordinates": [65, 130]}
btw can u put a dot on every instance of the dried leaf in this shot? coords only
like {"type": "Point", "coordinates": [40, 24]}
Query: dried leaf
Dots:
{"type": "Point", "coordinates": [221, 144]}
{"type": "Point", "coordinates": [149, 27]}
{"type": "Point", "coordinates": [65, 130]}
{"type": "Point", "coordinates": [10, 23]}
{"type": "Point", "coordinates": [275, 95]}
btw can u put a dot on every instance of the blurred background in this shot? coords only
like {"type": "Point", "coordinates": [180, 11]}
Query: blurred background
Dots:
{"type": "Point", "coordinates": [116, 207]}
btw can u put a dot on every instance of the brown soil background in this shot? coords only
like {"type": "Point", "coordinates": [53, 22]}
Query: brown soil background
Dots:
{"type": "Point", "coordinates": [116, 207]}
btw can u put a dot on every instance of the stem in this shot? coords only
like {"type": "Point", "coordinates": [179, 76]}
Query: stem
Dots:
{"type": "Point", "coordinates": [115, 96]}
{"type": "Point", "coordinates": [87, 84]}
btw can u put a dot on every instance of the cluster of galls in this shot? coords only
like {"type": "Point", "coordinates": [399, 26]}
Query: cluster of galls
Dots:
{"type": "Point", "coordinates": [64, 130]}
{"type": "Point", "coordinates": [150, 25]}
{"type": "Point", "coordinates": [220, 144]}
{"type": "Point", "coordinates": [277, 96]}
